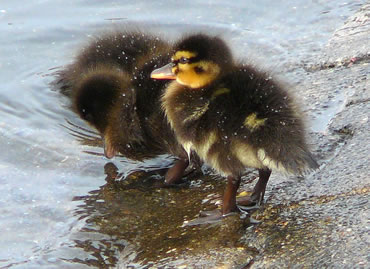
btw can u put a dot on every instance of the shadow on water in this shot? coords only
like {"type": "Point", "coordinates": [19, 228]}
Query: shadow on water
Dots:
{"type": "Point", "coordinates": [135, 220]}
{"type": "Point", "coordinates": [151, 218]}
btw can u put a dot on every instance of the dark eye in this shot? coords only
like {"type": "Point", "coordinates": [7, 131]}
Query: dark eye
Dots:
{"type": "Point", "coordinates": [183, 60]}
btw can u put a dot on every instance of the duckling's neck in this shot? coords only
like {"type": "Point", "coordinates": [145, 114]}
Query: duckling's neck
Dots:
{"type": "Point", "coordinates": [183, 105]}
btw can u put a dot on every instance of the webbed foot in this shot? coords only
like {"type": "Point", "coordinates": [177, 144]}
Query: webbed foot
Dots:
{"type": "Point", "coordinates": [209, 217]}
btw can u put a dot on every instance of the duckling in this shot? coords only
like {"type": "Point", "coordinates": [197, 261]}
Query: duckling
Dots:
{"type": "Point", "coordinates": [110, 87]}
{"type": "Point", "coordinates": [232, 115]}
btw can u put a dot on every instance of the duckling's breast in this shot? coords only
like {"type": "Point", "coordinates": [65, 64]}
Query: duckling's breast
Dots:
{"type": "Point", "coordinates": [202, 124]}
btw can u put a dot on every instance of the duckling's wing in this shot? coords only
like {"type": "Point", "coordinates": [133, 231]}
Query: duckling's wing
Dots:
{"type": "Point", "coordinates": [267, 120]}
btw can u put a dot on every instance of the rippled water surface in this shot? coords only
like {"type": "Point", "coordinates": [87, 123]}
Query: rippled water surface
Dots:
{"type": "Point", "coordinates": [44, 170]}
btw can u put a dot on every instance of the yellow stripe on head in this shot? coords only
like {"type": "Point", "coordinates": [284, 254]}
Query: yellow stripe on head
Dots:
{"type": "Point", "coordinates": [183, 53]}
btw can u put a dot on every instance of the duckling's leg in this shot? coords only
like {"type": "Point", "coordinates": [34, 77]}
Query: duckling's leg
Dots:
{"type": "Point", "coordinates": [259, 190]}
{"type": "Point", "coordinates": [229, 199]}
{"type": "Point", "coordinates": [175, 173]}
{"type": "Point", "coordinates": [228, 205]}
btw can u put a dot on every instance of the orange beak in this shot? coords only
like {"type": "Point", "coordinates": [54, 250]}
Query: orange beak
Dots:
{"type": "Point", "coordinates": [164, 72]}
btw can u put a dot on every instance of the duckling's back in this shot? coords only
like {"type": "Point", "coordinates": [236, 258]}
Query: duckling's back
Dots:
{"type": "Point", "coordinates": [270, 121]}
{"type": "Point", "coordinates": [123, 50]}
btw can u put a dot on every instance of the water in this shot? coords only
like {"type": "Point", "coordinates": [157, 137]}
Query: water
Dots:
{"type": "Point", "coordinates": [43, 168]}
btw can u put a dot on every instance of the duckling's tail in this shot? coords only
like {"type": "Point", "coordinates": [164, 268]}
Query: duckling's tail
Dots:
{"type": "Point", "coordinates": [300, 161]}
{"type": "Point", "coordinates": [303, 163]}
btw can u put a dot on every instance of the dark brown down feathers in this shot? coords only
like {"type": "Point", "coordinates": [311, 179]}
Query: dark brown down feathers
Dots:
{"type": "Point", "coordinates": [110, 87]}
{"type": "Point", "coordinates": [232, 116]}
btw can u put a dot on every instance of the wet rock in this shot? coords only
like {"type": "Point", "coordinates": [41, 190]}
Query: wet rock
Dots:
{"type": "Point", "coordinates": [350, 44]}
{"type": "Point", "coordinates": [315, 233]}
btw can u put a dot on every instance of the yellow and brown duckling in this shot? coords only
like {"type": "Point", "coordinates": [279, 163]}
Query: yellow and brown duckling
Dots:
{"type": "Point", "coordinates": [232, 116]}
{"type": "Point", "coordinates": [110, 87]}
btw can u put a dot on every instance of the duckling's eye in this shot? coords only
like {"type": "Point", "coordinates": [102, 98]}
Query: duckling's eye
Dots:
{"type": "Point", "coordinates": [183, 60]}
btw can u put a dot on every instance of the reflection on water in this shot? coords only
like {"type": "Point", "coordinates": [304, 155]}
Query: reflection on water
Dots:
{"type": "Point", "coordinates": [55, 203]}
{"type": "Point", "coordinates": [151, 218]}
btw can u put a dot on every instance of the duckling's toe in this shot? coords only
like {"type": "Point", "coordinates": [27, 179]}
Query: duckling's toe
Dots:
{"type": "Point", "coordinates": [249, 202]}
{"type": "Point", "coordinates": [246, 205]}
{"type": "Point", "coordinates": [209, 217]}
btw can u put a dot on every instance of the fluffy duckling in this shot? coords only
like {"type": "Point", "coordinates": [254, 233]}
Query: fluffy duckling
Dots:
{"type": "Point", "coordinates": [110, 87]}
{"type": "Point", "coordinates": [232, 116]}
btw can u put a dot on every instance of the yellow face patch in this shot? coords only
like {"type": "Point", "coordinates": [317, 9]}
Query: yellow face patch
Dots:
{"type": "Point", "coordinates": [174, 69]}
{"type": "Point", "coordinates": [253, 123]}
{"type": "Point", "coordinates": [187, 75]}
{"type": "Point", "coordinates": [191, 73]}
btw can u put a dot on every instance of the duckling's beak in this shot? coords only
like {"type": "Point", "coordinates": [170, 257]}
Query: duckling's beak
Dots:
{"type": "Point", "coordinates": [109, 150]}
{"type": "Point", "coordinates": [164, 72]}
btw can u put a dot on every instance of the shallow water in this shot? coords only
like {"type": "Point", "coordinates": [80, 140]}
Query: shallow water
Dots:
{"type": "Point", "coordinates": [44, 170]}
